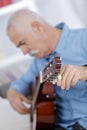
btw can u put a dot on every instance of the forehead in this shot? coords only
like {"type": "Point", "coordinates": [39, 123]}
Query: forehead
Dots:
{"type": "Point", "coordinates": [15, 36]}
{"type": "Point", "coordinates": [19, 34]}
{"type": "Point", "coordinates": [19, 37]}
{"type": "Point", "coordinates": [17, 30]}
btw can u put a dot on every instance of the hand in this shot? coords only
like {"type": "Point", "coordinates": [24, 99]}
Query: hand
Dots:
{"type": "Point", "coordinates": [17, 100]}
{"type": "Point", "coordinates": [70, 75]}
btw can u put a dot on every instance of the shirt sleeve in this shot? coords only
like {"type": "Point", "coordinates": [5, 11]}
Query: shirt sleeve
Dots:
{"type": "Point", "coordinates": [22, 84]}
{"type": "Point", "coordinates": [84, 42]}
{"type": "Point", "coordinates": [85, 38]}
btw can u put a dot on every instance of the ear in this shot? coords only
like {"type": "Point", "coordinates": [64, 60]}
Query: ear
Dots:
{"type": "Point", "coordinates": [37, 27]}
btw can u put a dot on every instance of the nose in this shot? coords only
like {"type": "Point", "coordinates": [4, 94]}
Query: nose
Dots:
{"type": "Point", "coordinates": [24, 50]}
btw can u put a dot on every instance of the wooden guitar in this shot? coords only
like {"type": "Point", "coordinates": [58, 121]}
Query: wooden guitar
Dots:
{"type": "Point", "coordinates": [43, 99]}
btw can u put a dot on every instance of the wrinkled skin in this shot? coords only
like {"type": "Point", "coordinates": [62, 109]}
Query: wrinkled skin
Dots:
{"type": "Point", "coordinates": [71, 75]}
{"type": "Point", "coordinates": [16, 100]}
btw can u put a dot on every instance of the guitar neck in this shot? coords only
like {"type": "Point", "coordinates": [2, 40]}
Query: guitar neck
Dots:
{"type": "Point", "coordinates": [34, 99]}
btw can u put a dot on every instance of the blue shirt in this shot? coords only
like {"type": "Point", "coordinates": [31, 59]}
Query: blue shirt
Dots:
{"type": "Point", "coordinates": [71, 105]}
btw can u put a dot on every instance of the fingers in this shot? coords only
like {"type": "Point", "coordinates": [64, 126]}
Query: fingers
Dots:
{"type": "Point", "coordinates": [65, 80]}
{"type": "Point", "coordinates": [16, 100]}
{"type": "Point", "coordinates": [69, 76]}
{"type": "Point", "coordinates": [21, 108]}
{"type": "Point", "coordinates": [26, 100]}
{"type": "Point", "coordinates": [59, 78]}
{"type": "Point", "coordinates": [75, 78]}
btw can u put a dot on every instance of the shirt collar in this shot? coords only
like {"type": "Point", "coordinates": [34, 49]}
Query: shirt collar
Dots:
{"type": "Point", "coordinates": [65, 31]}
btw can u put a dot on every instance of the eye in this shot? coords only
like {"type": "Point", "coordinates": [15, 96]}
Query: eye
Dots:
{"type": "Point", "coordinates": [23, 42]}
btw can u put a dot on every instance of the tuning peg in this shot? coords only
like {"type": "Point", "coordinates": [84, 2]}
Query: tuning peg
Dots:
{"type": "Point", "coordinates": [47, 68]}
{"type": "Point", "coordinates": [50, 73]}
{"type": "Point", "coordinates": [59, 77]}
{"type": "Point", "coordinates": [54, 81]}
{"type": "Point", "coordinates": [50, 65]}
{"type": "Point", "coordinates": [48, 76]}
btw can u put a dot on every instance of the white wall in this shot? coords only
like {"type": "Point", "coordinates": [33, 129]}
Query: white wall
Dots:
{"type": "Point", "coordinates": [73, 12]}
{"type": "Point", "coordinates": [11, 120]}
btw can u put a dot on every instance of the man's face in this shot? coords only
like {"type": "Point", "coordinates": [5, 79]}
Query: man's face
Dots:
{"type": "Point", "coordinates": [34, 45]}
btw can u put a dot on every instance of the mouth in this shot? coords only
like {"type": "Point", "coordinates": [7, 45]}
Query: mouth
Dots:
{"type": "Point", "coordinates": [33, 52]}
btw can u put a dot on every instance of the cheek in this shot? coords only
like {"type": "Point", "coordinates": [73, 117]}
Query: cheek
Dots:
{"type": "Point", "coordinates": [41, 45]}
{"type": "Point", "coordinates": [46, 47]}
{"type": "Point", "coordinates": [43, 48]}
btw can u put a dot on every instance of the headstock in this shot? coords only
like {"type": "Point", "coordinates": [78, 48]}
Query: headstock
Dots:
{"type": "Point", "coordinates": [51, 71]}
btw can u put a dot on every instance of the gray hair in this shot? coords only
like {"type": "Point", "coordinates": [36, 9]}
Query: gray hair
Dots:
{"type": "Point", "coordinates": [22, 20]}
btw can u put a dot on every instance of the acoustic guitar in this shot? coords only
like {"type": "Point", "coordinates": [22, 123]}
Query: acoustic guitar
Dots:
{"type": "Point", "coordinates": [44, 96]}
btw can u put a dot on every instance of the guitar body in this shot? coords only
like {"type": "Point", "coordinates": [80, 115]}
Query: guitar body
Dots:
{"type": "Point", "coordinates": [45, 107]}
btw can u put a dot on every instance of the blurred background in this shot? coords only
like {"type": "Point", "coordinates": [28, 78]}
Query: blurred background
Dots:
{"type": "Point", "coordinates": [12, 62]}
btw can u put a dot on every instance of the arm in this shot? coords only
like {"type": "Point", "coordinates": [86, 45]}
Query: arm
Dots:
{"type": "Point", "coordinates": [17, 94]}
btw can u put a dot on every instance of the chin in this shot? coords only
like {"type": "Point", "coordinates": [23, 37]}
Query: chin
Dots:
{"type": "Point", "coordinates": [39, 56]}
